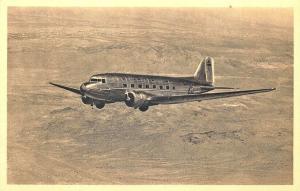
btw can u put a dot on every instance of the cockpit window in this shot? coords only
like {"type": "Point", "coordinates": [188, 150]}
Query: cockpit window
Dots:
{"type": "Point", "coordinates": [101, 80]}
{"type": "Point", "coordinates": [94, 80]}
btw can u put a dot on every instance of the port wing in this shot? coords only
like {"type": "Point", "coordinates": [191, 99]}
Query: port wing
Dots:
{"type": "Point", "coordinates": [200, 97]}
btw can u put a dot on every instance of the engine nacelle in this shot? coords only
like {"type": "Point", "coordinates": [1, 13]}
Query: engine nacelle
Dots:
{"type": "Point", "coordinates": [86, 100]}
{"type": "Point", "coordinates": [135, 99]}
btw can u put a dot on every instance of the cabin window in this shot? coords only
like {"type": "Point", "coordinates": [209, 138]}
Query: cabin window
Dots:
{"type": "Point", "coordinates": [147, 86]}
{"type": "Point", "coordinates": [140, 86]}
{"type": "Point", "coordinates": [94, 80]}
{"type": "Point", "coordinates": [167, 87]}
{"type": "Point", "coordinates": [132, 85]}
{"type": "Point", "coordinates": [124, 85]}
{"type": "Point", "coordinates": [173, 87]}
{"type": "Point", "coordinates": [153, 86]}
{"type": "Point", "coordinates": [103, 80]}
{"type": "Point", "coordinates": [161, 87]}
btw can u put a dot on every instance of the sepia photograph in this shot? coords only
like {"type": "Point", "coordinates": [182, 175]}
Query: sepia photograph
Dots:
{"type": "Point", "coordinates": [150, 96]}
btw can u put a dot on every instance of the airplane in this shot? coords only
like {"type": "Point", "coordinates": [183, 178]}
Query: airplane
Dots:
{"type": "Point", "coordinates": [142, 91]}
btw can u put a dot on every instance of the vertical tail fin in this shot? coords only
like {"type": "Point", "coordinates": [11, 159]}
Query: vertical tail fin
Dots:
{"type": "Point", "coordinates": [205, 71]}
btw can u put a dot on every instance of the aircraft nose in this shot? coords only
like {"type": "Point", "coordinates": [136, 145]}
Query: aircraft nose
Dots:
{"type": "Point", "coordinates": [83, 87]}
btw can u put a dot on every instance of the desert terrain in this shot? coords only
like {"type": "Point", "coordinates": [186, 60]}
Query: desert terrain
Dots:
{"type": "Point", "coordinates": [55, 139]}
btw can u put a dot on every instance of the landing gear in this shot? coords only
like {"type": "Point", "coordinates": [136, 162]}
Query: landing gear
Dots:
{"type": "Point", "coordinates": [100, 105]}
{"type": "Point", "coordinates": [86, 100]}
{"type": "Point", "coordinates": [144, 108]}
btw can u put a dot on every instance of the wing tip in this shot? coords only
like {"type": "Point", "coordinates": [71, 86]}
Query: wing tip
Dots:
{"type": "Point", "coordinates": [54, 84]}
{"type": "Point", "coordinates": [266, 90]}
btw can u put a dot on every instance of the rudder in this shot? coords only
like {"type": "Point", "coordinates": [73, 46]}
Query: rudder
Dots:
{"type": "Point", "coordinates": [205, 71]}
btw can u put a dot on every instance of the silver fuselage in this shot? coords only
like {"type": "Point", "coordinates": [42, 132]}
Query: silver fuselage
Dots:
{"type": "Point", "coordinates": [112, 87]}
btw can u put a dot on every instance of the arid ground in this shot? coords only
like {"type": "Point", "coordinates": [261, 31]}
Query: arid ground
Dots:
{"type": "Point", "coordinates": [55, 139]}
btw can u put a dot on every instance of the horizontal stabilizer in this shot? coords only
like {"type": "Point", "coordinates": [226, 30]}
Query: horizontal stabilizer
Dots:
{"type": "Point", "coordinates": [225, 88]}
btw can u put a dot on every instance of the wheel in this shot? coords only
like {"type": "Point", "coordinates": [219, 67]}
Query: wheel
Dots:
{"type": "Point", "coordinates": [100, 105]}
{"type": "Point", "coordinates": [144, 108]}
{"type": "Point", "coordinates": [86, 100]}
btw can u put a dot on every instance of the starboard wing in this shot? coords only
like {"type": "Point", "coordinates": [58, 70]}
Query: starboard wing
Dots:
{"type": "Point", "coordinates": [77, 91]}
